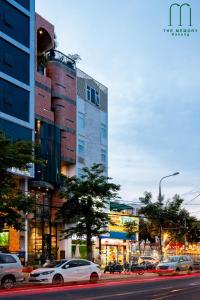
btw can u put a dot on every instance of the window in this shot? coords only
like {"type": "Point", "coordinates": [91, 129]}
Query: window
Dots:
{"type": "Point", "coordinates": [97, 98]}
{"type": "Point", "coordinates": [93, 96]}
{"type": "Point", "coordinates": [103, 156]}
{"type": "Point", "coordinates": [83, 263]}
{"type": "Point", "coordinates": [103, 131]}
{"type": "Point", "coordinates": [72, 264]}
{"type": "Point", "coordinates": [88, 93]}
{"type": "Point", "coordinates": [81, 120]}
{"type": "Point", "coordinates": [7, 259]}
{"type": "Point", "coordinates": [81, 148]}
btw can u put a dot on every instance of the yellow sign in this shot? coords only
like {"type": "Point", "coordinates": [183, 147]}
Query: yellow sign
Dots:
{"type": "Point", "coordinates": [119, 220]}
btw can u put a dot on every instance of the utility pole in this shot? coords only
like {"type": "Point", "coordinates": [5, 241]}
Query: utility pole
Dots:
{"type": "Point", "coordinates": [160, 210]}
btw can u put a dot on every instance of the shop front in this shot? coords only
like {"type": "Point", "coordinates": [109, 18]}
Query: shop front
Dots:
{"type": "Point", "coordinates": [117, 246]}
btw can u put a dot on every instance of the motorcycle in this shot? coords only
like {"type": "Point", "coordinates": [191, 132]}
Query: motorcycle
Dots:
{"type": "Point", "coordinates": [141, 268]}
{"type": "Point", "coordinates": [113, 267]}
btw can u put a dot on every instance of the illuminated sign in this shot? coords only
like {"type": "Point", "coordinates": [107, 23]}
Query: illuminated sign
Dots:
{"type": "Point", "coordinates": [23, 172]}
{"type": "Point", "coordinates": [119, 220]}
{"type": "Point", "coordinates": [117, 226]}
{"type": "Point", "coordinates": [4, 239]}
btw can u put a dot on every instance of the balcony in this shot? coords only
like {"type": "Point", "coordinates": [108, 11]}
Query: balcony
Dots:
{"type": "Point", "coordinates": [55, 55]}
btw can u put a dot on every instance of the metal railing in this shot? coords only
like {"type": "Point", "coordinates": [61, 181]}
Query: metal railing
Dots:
{"type": "Point", "coordinates": [55, 55]}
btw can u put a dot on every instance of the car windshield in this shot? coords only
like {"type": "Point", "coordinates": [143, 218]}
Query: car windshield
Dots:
{"type": "Point", "coordinates": [54, 264]}
{"type": "Point", "coordinates": [172, 259]}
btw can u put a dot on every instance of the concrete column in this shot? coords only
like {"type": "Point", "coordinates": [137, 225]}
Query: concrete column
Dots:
{"type": "Point", "coordinates": [66, 245]}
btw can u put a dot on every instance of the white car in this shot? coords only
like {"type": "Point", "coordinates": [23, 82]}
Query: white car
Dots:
{"type": "Point", "coordinates": [175, 264]}
{"type": "Point", "coordinates": [149, 259]}
{"type": "Point", "coordinates": [10, 270]}
{"type": "Point", "coordinates": [71, 270]}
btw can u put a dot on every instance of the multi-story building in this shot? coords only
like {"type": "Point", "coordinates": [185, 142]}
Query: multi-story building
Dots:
{"type": "Point", "coordinates": [17, 23]}
{"type": "Point", "coordinates": [71, 130]}
{"type": "Point", "coordinates": [92, 122]}
{"type": "Point", "coordinates": [55, 132]}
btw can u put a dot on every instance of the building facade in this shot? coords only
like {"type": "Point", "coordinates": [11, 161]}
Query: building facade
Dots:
{"type": "Point", "coordinates": [46, 99]}
{"type": "Point", "coordinates": [17, 27]}
{"type": "Point", "coordinates": [55, 133]}
{"type": "Point", "coordinates": [92, 123]}
{"type": "Point", "coordinates": [118, 245]}
{"type": "Point", "coordinates": [70, 127]}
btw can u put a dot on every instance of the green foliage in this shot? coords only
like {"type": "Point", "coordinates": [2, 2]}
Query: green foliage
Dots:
{"type": "Point", "coordinates": [131, 228]}
{"type": "Point", "coordinates": [13, 203]}
{"type": "Point", "coordinates": [87, 199]}
{"type": "Point", "coordinates": [173, 218]}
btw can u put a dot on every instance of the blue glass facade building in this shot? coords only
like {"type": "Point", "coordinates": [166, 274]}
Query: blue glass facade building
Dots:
{"type": "Point", "coordinates": [17, 44]}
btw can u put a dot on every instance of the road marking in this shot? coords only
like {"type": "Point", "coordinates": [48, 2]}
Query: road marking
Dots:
{"type": "Point", "coordinates": [174, 291]}
{"type": "Point", "coordinates": [194, 283]}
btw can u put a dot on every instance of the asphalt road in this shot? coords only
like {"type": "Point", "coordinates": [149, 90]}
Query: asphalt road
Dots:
{"type": "Point", "coordinates": [174, 288]}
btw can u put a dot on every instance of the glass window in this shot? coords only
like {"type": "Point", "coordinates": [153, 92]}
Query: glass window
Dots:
{"type": "Point", "coordinates": [93, 96]}
{"type": "Point", "coordinates": [81, 120]}
{"type": "Point", "coordinates": [88, 93]}
{"type": "Point", "coordinates": [73, 264]}
{"type": "Point", "coordinates": [97, 98]}
{"type": "Point", "coordinates": [81, 148]}
{"type": "Point", "coordinates": [7, 259]}
{"type": "Point", "coordinates": [83, 263]}
{"type": "Point", "coordinates": [103, 156]}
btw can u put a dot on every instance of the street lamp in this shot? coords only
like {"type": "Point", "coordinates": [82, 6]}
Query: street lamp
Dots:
{"type": "Point", "coordinates": [160, 204]}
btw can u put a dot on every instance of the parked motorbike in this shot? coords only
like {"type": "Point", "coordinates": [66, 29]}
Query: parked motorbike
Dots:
{"type": "Point", "coordinates": [141, 268]}
{"type": "Point", "coordinates": [113, 267]}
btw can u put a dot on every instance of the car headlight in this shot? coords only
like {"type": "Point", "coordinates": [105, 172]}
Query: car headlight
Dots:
{"type": "Point", "coordinates": [47, 273]}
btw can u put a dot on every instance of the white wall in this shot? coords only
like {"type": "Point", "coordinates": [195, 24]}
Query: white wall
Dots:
{"type": "Point", "coordinates": [91, 134]}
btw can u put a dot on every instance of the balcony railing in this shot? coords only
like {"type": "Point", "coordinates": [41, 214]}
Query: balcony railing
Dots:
{"type": "Point", "coordinates": [55, 55]}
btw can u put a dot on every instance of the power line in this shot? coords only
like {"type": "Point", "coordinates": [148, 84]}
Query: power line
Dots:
{"type": "Point", "coordinates": [192, 199]}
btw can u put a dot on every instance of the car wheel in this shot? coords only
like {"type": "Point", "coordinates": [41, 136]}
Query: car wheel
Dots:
{"type": "Point", "coordinates": [94, 277]}
{"type": "Point", "coordinates": [8, 282]}
{"type": "Point", "coordinates": [178, 270]}
{"type": "Point", "coordinates": [57, 279]}
{"type": "Point", "coordinates": [189, 270]}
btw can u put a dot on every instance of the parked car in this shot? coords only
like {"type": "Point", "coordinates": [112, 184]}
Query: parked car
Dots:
{"type": "Point", "coordinates": [148, 259]}
{"type": "Point", "coordinates": [10, 270]}
{"type": "Point", "coordinates": [72, 270]}
{"type": "Point", "coordinates": [175, 264]}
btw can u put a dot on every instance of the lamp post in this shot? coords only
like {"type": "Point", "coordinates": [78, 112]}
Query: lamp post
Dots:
{"type": "Point", "coordinates": [160, 210]}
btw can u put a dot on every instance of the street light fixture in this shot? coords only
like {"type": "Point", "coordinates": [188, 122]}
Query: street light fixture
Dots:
{"type": "Point", "coordinates": [160, 204]}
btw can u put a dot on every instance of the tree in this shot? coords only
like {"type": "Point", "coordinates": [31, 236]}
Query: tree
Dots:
{"type": "Point", "coordinates": [171, 216]}
{"type": "Point", "coordinates": [131, 228]}
{"type": "Point", "coordinates": [12, 200]}
{"type": "Point", "coordinates": [85, 209]}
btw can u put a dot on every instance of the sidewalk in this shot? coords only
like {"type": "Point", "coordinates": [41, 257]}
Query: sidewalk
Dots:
{"type": "Point", "coordinates": [118, 276]}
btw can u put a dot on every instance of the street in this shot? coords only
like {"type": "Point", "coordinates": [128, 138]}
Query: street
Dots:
{"type": "Point", "coordinates": [172, 288]}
